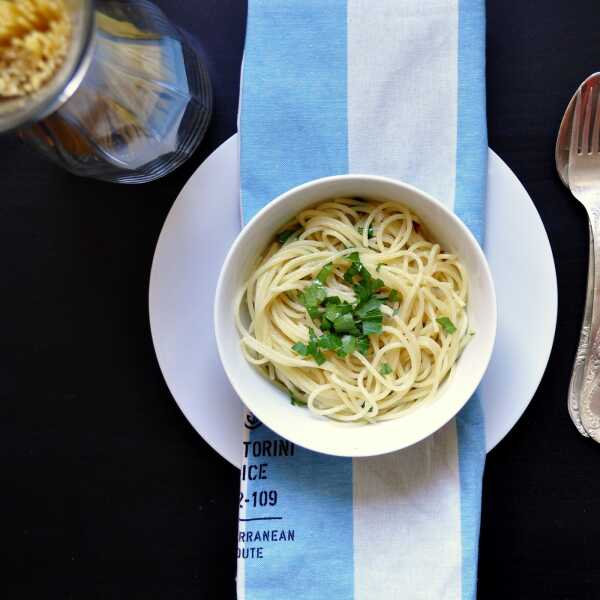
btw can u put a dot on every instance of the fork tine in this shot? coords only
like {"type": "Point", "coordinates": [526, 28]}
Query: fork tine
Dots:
{"type": "Point", "coordinates": [596, 131]}
{"type": "Point", "coordinates": [574, 146]}
{"type": "Point", "coordinates": [587, 119]}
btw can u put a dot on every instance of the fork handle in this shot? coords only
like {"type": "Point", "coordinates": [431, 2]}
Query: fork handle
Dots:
{"type": "Point", "coordinates": [577, 374]}
{"type": "Point", "coordinates": [589, 401]}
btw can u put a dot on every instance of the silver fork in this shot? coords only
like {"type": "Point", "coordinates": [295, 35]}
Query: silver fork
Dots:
{"type": "Point", "coordinates": [562, 150]}
{"type": "Point", "coordinates": [584, 180]}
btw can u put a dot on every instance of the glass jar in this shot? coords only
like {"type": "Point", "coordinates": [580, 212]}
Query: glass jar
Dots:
{"type": "Point", "coordinates": [131, 101]}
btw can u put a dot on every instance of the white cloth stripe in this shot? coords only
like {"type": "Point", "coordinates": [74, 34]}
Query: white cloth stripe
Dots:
{"type": "Point", "coordinates": [402, 115]}
{"type": "Point", "coordinates": [407, 522]}
{"type": "Point", "coordinates": [402, 91]}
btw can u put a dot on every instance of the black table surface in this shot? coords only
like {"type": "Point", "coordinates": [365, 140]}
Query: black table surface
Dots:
{"type": "Point", "coordinates": [108, 492]}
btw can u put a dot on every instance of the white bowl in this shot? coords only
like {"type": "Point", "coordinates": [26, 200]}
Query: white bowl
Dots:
{"type": "Point", "coordinates": [272, 406]}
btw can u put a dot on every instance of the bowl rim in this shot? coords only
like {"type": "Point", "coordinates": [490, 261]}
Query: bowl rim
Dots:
{"type": "Point", "coordinates": [377, 179]}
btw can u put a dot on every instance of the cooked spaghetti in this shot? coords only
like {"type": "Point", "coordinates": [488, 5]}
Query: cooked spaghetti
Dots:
{"type": "Point", "coordinates": [355, 310]}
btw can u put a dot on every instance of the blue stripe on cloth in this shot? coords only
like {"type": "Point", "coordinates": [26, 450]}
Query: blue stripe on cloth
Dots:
{"type": "Point", "coordinates": [314, 497]}
{"type": "Point", "coordinates": [293, 124]}
{"type": "Point", "coordinates": [471, 171]}
{"type": "Point", "coordinates": [293, 128]}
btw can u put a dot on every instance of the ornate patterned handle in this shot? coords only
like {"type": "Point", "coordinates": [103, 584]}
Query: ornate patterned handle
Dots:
{"type": "Point", "coordinates": [589, 403]}
{"type": "Point", "coordinates": [577, 375]}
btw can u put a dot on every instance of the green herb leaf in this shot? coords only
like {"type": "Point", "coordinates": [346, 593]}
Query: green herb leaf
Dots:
{"type": "Point", "coordinates": [355, 268]}
{"type": "Point", "coordinates": [367, 314]}
{"type": "Point", "coordinates": [362, 344]}
{"type": "Point", "coordinates": [363, 292]}
{"type": "Point", "coordinates": [286, 234]}
{"type": "Point", "coordinates": [300, 349]}
{"type": "Point", "coordinates": [369, 308]}
{"type": "Point", "coordinates": [319, 358]}
{"type": "Point", "coordinates": [385, 369]}
{"type": "Point", "coordinates": [345, 324]}
{"type": "Point", "coordinates": [373, 325]}
{"type": "Point", "coordinates": [348, 344]}
{"type": "Point", "coordinates": [296, 401]}
{"type": "Point", "coordinates": [326, 324]}
{"type": "Point", "coordinates": [335, 311]}
{"type": "Point", "coordinates": [330, 341]}
{"type": "Point", "coordinates": [367, 285]}
{"type": "Point", "coordinates": [370, 232]}
{"type": "Point", "coordinates": [352, 272]}
{"type": "Point", "coordinates": [313, 295]}
{"type": "Point", "coordinates": [393, 297]}
{"type": "Point", "coordinates": [333, 300]}
{"type": "Point", "coordinates": [312, 349]}
{"type": "Point", "coordinates": [324, 273]}
{"type": "Point", "coordinates": [314, 311]}
{"type": "Point", "coordinates": [447, 325]}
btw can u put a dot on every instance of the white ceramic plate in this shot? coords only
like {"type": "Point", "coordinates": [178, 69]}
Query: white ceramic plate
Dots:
{"type": "Point", "coordinates": [203, 223]}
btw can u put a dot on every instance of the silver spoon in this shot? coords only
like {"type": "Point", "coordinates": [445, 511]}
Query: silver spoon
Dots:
{"type": "Point", "coordinates": [561, 154]}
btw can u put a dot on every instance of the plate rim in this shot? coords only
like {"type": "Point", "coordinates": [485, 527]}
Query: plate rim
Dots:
{"type": "Point", "coordinates": [547, 249]}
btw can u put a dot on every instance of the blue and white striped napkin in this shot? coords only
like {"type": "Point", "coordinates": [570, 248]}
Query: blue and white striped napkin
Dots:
{"type": "Point", "coordinates": [396, 88]}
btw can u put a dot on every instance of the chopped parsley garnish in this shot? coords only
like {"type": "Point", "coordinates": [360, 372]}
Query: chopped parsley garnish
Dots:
{"type": "Point", "coordinates": [348, 345]}
{"type": "Point", "coordinates": [362, 345]}
{"type": "Point", "coordinates": [370, 308]}
{"type": "Point", "coordinates": [310, 349]}
{"type": "Point", "coordinates": [324, 273]}
{"type": "Point", "coordinates": [313, 295]}
{"type": "Point", "coordinates": [355, 268]}
{"type": "Point", "coordinates": [385, 369]}
{"type": "Point", "coordinates": [326, 325]}
{"type": "Point", "coordinates": [286, 234]}
{"type": "Point", "coordinates": [300, 348]}
{"type": "Point", "coordinates": [372, 326]}
{"type": "Point", "coordinates": [314, 312]}
{"type": "Point", "coordinates": [313, 348]}
{"type": "Point", "coordinates": [370, 314]}
{"type": "Point", "coordinates": [296, 401]}
{"type": "Point", "coordinates": [393, 297]}
{"type": "Point", "coordinates": [345, 326]}
{"type": "Point", "coordinates": [447, 325]}
{"type": "Point", "coordinates": [365, 285]}
{"type": "Point", "coordinates": [370, 232]}
{"type": "Point", "coordinates": [330, 341]}
{"type": "Point", "coordinates": [334, 311]}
